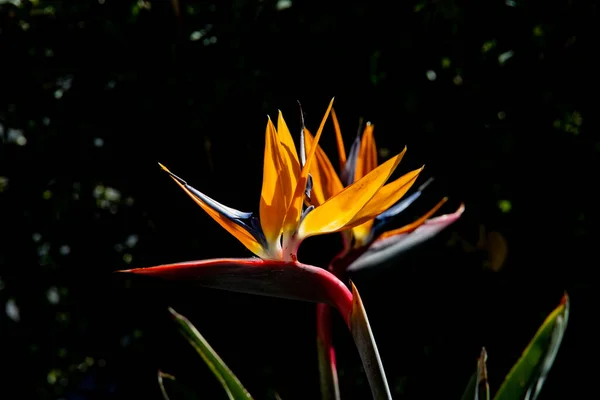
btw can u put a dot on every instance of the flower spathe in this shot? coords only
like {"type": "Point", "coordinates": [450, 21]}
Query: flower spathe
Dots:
{"type": "Point", "coordinates": [284, 217]}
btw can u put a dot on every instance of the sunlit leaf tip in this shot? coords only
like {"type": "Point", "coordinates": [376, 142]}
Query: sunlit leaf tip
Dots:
{"type": "Point", "coordinates": [367, 348]}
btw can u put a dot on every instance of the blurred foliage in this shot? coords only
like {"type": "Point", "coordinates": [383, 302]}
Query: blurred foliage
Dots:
{"type": "Point", "coordinates": [496, 98]}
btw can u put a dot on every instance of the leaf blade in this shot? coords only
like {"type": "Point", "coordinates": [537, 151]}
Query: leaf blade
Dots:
{"type": "Point", "coordinates": [367, 348]}
{"type": "Point", "coordinates": [527, 376]}
{"type": "Point", "coordinates": [231, 384]}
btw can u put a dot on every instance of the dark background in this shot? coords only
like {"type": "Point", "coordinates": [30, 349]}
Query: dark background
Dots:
{"type": "Point", "coordinates": [498, 100]}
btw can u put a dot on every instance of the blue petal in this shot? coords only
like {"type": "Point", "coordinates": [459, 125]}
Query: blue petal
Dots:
{"type": "Point", "coordinates": [382, 219]}
{"type": "Point", "coordinates": [246, 220]}
{"type": "Point", "coordinates": [347, 175]}
{"type": "Point", "coordinates": [309, 181]}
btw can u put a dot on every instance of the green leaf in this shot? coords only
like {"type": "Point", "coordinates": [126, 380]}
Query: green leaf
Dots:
{"type": "Point", "coordinates": [527, 376]}
{"type": "Point", "coordinates": [469, 393]}
{"type": "Point", "coordinates": [228, 380]}
{"type": "Point", "coordinates": [367, 348]}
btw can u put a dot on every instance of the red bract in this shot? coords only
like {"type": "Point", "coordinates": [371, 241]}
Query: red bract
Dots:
{"type": "Point", "coordinates": [290, 280]}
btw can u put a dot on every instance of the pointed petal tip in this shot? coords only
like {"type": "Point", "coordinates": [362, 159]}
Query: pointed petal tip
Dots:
{"type": "Point", "coordinates": [163, 168]}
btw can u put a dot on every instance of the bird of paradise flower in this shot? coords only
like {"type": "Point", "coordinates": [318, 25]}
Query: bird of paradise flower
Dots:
{"type": "Point", "coordinates": [287, 217]}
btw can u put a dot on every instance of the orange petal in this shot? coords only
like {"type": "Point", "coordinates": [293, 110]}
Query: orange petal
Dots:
{"type": "Point", "coordinates": [414, 225]}
{"type": "Point", "coordinates": [338, 211]}
{"type": "Point", "coordinates": [339, 140]}
{"type": "Point", "coordinates": [367, 154]}
{"type": "Point", "coordinates": [386, 197]}
{"type": "Point", "coordinates": [236, 230]}
{"type": "Point", "coordinates": [326, 182]}
{"type": "Point", "coordinates": [285, 137]}
{"type": "Point", "coordinates": [383, 200]}
{"type": "Point", "coordinates": [361, 233]}
{"type": "Point", "coordinates": [272, 199]}
{"type": "Point", "coordinates": [295, 209]}
{"type": "Point", "coordinates": [289, 157]}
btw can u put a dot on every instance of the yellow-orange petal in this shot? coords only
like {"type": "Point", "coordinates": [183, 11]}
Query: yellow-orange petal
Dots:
{"type": "Point", "coordinates": [339, 140]}
{"type": "Point", "coordinates": [382, 201]}
{"type": "Point", "coordinates": [294, 211]}
{"type": "Point", "coordinates": [413, 225]}
{"type": "Point", "coordinates": [236, 230]}
{"type": "Point", "coordinates": [289, 161]}
{"type": "Point", "coordinates": [367, 154]}
{"type": "Point", "coordinates": [361, 233]}
{"type": "Point", "coordinates": [338, 211]}
{"type": "Point", "coordinates": [326, 182]}
{"type": "Point", "coordinates": [386, 197]}
{"type": "Point", "coordinates": [272, 198]}
{"type": "Point", "coordinates": [286, 139]}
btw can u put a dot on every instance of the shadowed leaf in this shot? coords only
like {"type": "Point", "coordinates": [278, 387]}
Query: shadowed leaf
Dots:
{"type": "Point", "coordinates": [527, 376]}
{"type": "Point", "coordinates": [228, 380]}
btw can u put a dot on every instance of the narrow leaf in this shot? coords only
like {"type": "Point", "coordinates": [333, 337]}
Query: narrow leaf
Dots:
{"type": "Point", "coordinates": [367, 348]}
{"type": "Point", "coordinates": [527, 376]}
{"type": "Point", "coordinates": [234, 388]}
{"type": "Point", "coordinates": [471, 389]}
